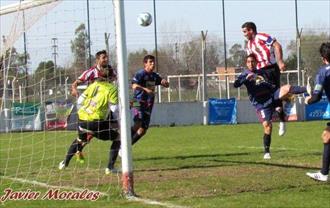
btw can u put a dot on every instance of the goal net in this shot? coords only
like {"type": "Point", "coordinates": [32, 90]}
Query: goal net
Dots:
{"type": "Point", "coordinates": [44, 48]}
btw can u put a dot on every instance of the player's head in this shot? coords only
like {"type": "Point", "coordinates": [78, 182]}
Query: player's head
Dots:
{"type": "Point", "coordinates": [251, 62]}
{"type": "Point", "coordinates": [325, 52]}
{"type": "Point", "coordinates": [149, 63]}
{"type": "Point", "coordinates": [102, 58]}
{"type": "Point", "coordinates": [249, 29]}
{"type": "Point", "coordinates": [104, 75]}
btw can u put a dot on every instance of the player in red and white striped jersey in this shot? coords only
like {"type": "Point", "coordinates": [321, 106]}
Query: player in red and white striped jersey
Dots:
{"type": "Point", "coordinates": [97, 71]}
{"type": "Point", "coordinates": [268, 52]}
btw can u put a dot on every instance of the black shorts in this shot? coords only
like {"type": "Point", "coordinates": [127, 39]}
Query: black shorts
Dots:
{"type": "Point", "coordinates": [328, 124]}
{"type": "Point", "coordinates": [99, 129]}
{"type": "Point", "coordinates": [272, 75]}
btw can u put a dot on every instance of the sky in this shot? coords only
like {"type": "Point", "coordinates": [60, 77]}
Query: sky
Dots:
{"type": "Point", "coordinates": [176, 20]}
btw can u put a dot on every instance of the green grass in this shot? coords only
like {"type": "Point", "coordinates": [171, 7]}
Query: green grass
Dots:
{"type": "Point", "coordinates": [195, 166]}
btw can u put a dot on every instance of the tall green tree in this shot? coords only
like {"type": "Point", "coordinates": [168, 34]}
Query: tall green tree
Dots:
{"type": "Point", "coordinates": [237, 56]}
{"type": "Point", "coordinates": [80, 47]}
{"type": "Point", "coordinates": [45, 70]}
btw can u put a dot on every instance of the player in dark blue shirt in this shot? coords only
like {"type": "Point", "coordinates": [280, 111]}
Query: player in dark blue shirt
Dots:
{"type": "Point", "coordinates": [144, 83]}
{"type": "Point", "coordinates": [264, 97]}
{"type": "Point", "coordinates": [322, 83]}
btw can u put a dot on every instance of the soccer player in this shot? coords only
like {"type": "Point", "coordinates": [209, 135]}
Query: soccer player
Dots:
{"type": "Point", "coordinates": [322, 83]}
{"type": "Point", "coordinates": [143, 85]}
{"type": "Point", "coordinates": [264, 97]}
{"type": "Point", "coordinates": [96, 102]}
{"type": "Point", "coordinates": [88, 76]}
{"type": "Point", "coordinates": [268, 53]}
{"type": "Point", "coordinates": [100, 68]}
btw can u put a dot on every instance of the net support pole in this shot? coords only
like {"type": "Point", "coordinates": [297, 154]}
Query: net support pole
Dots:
{"type": "Point", "coordinates": [125, 133]}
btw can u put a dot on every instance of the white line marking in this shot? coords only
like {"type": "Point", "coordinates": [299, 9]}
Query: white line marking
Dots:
{"type": "Point", "coordinates": [137, 199]}
{"type": "Point", "coordinates": [152, 202]}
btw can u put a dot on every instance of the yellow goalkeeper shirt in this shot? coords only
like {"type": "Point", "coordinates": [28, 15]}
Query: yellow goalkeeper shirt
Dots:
{"type": "Point", "coordinates": [97, 98]}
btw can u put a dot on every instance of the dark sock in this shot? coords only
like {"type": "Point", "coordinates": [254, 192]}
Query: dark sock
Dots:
{"type": "Point", "coordinates": [75, 146]}
{"type": "Point", "coordinates": [267, 141]}
{"type": "Point", "coordinates": [297, 90]}
{"type": "Point", "coordinates": [114, 149]}
{"type": "Point", "coordinates": [326, 159]}
{"type": "Point", "coordinates": [135, 138]}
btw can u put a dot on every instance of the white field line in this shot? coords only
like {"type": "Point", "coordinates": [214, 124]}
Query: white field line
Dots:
{"type": "Point", "coordinates": [152, 202]}
{"type": "Point", "coordinates": [137, 199]}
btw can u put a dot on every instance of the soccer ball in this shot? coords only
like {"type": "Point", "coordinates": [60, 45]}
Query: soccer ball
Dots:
{"type": "Point", "coordinates": [144, 19]}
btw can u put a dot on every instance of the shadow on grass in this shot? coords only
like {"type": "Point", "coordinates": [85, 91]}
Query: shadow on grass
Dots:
{"type": "Point", "coordinates": [220, 163]}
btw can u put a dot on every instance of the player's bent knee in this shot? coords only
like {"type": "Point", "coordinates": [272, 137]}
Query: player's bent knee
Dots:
{"type": "Point", "coordinates": [141, 131]}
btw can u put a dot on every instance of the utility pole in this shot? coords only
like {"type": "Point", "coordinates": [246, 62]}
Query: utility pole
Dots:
{"type": "Point", "coordinates": [204, 97]}
{"type": "Point", "coordinates": [89, 37]}
{"type": "Point", "coordinates": [225, 47]}
{"type": "Point", "coordinates": [25, 60]}
{"type": "Point", "coordinates": [54, 46]}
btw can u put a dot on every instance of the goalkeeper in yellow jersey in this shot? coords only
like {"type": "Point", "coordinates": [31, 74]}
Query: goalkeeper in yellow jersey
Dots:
{"type": "Point", "coordinates": [97, 101]}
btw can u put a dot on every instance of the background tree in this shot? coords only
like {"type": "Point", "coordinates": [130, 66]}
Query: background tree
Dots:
{"type": "Point", "coordinates": [310, 55]}
{"type": "Point", "coordinates": [237, 56]}
{"type": "Point", "coordinates": [80, 47]}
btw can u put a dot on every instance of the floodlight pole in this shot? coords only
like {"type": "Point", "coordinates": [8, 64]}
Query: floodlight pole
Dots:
{"type": "Point", "coordinates": [298, 46]}
{"type": "Point", "coordinates": [125, 133]}
{"type": "Point", "coordinates": [225, 47]}
{"type": "Point", "coordinates": [89, 37]}
{"type": "Point", "coordinates": [204, 96]}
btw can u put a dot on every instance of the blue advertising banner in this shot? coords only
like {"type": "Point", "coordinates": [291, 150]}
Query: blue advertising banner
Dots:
{"type": "Point", "coordinates": [318, 111]}
{"type": "Point", "coordinates": [222, 111]}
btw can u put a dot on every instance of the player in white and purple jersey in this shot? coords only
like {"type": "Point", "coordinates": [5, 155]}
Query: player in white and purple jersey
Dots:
{"type": "Point", "coordinates": [143, 84]}
{"type": "Point", "coordinates": [264, 96]}
{"type": "Point", "coordinates": [322, 83]}
{"type": "Point", "coordinates": [269, 56]}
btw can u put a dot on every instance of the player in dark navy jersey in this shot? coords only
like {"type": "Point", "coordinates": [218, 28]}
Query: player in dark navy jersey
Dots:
{"type": "Point", "coordinates": [269, 58]}
{"type": "Point", "coordinates": [322, 83]}
{"type": "Point", "coordinates": [264, 96]}
{"type": "Point", "coordinates": [144, 83]}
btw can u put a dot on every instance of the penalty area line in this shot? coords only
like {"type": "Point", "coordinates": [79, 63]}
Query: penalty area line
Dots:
{"type": "Point", "coordinates": [137, 199]}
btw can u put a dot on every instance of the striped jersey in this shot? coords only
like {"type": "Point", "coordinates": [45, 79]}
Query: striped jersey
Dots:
{"type": "Point", "coordinates": [261, 47]}
{"type": "Point", "coordinates": [93, 73]}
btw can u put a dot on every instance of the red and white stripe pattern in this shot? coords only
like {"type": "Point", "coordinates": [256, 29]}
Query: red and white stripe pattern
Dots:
{"type": "Point", "coordinates": [261, 47]}
{"type": "Point", "coordinates": [89, 75]}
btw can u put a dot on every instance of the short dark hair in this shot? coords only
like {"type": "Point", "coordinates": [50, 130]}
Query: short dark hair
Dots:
{"type": "Point", "coordinates": [147, 57]}
{"type": "Point", "coordinates": [251, 56]}
{"type": "Point", "coordinates": [99, 53]}
{"type": "Point", "coordinates": [250, 25]}
{"type": "Point", "coordinates": [325, 51]}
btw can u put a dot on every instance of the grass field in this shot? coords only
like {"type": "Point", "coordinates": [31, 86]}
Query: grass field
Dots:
{"type": "Point", "coordinates": [195, 166]}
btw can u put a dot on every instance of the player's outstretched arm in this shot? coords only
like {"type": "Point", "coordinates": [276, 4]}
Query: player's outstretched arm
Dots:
{"type": "Point", "coordinates": [74, 90]}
